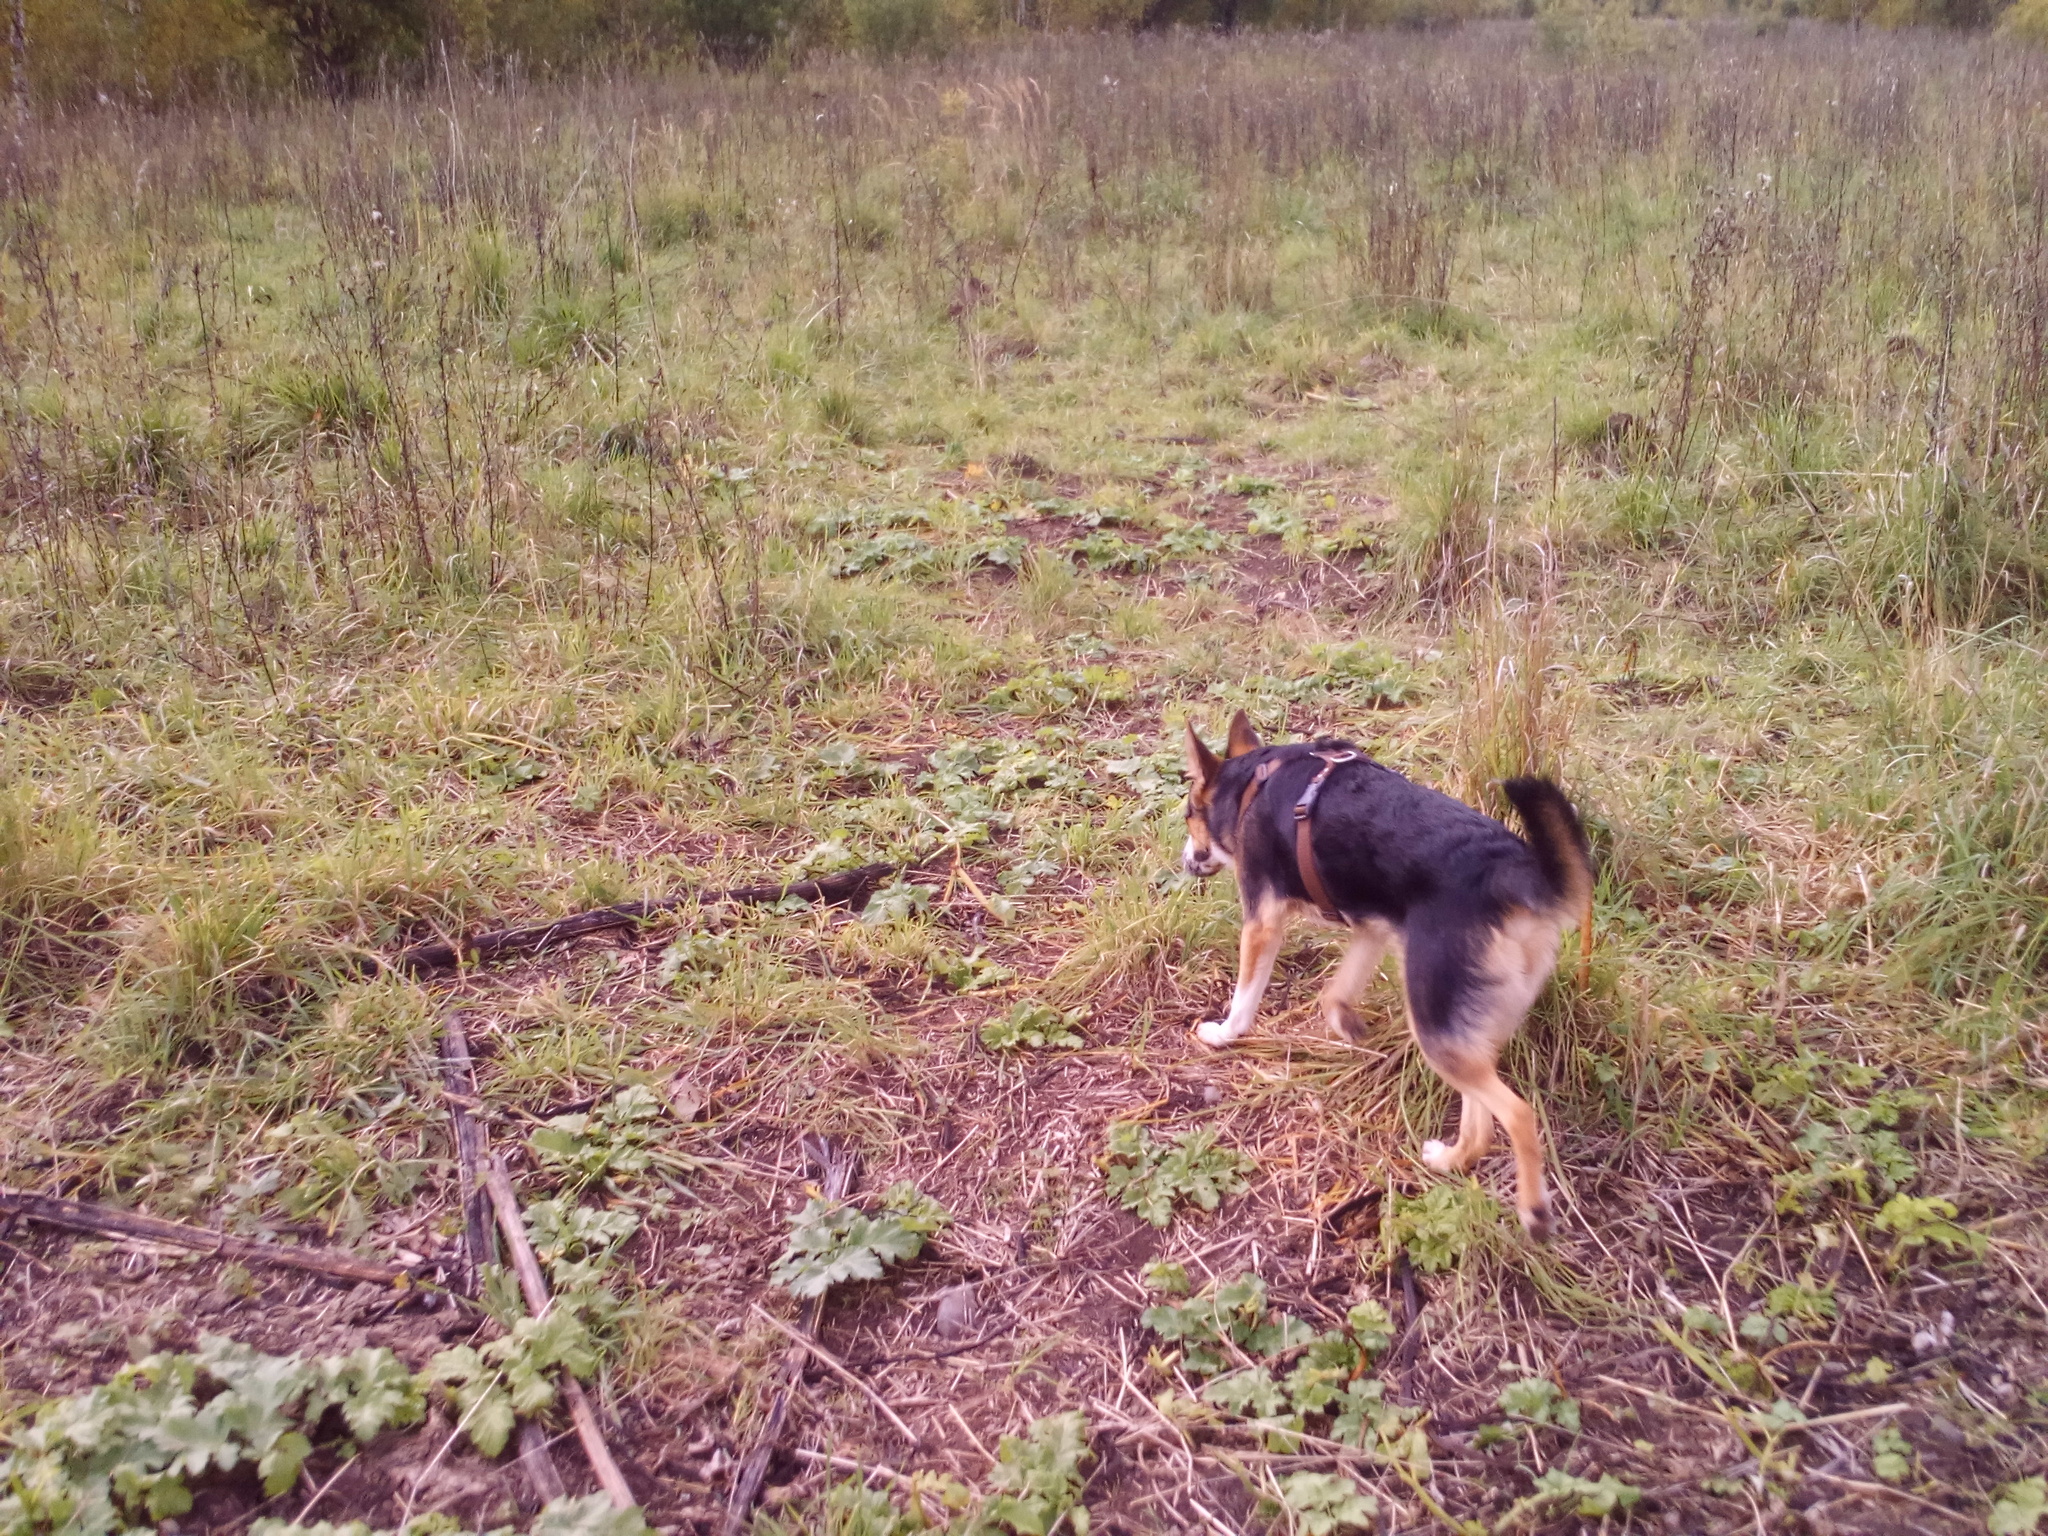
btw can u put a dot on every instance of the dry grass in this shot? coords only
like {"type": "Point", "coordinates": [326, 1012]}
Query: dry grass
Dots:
{"type": "Point", "coordinates": [421, 515]}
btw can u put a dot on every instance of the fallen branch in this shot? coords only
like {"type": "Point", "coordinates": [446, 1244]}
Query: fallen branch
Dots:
{"type": "Point", "coordinates": [538, 1463]}
{"type": "Point", "coordinates": [534, 1285]}
{"type": "Point", "coordinates": [458, 1077]}
{"type": "Point", "coordinates": [835, 1167]}
{"type": "Point", "coordinates": [875, 1362]}
{"type": "Point", "coordinates": [439, 954]}
{"type": "Point", "coordinates": [832, 1363]}
{"type": "Point", "coordinates": [105, 1221]}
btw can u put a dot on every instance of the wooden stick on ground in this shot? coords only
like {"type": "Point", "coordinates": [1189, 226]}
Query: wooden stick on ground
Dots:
{"type": "Point", "coordinates": [849, 886]}
{"type": "Point", "coordinates": [535, 1287]}
{"type": "Point", "coordinates": [836, 1168]}
{"type": "Point", "coordinates": [458, 1077]}
{"type": "Point", "coordinates": [538, 1463]}
{"type": "Point", "coordinates": [105, 1221]}
{"type": "Point", "coordinates": [831, 1362]}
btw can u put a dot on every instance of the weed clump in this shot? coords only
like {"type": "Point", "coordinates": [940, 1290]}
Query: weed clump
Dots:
{"type": "Point", "coordinates": [299, 403]}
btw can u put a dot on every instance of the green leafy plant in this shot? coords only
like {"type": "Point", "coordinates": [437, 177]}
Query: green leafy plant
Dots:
{"type": "Point", "coordinates": [695, 953]}
{"type": "Point", "coordinates": [1367, 673]}
{"type": "Point", "coordinates": [1106, 551]}
{"type": "Point", "coordinates": [1288, 524]}
{"type": "Point", "coordinates": [2018, 1507]}
{"type": "Point", "coordinates": [968, 973]}
{"type": "Point", "coordinates": [1156, 778]}
{"type": "Point", "coordinates": [1024, 874]}
{"type": "Point", "coordinates": [1851, 1150]}
{"type": "Point", "coordinates": [1192, 541]}
{"type": "Point", "coordinates": [1213, 1328]}
{"type": "Point", "coordinates": [896, 902]}
{"type": "Point", "coordinates": [831, 1242]}
{"type": "Point", "coordinates": [827, 858]}
{"type": "Point", "coordinates": [1441, 1226]}
{"type": "Point", "coordinates": [1033, 1026]}
{"type": "Point", "coordinates": [849, 1508]}
{"type": "Point", "coordinates": [492, 1386]}
{"type": "Point", "coordinates": [1279, 1373]}
{"type": "Point", "coordinates": [1046, 692]}
{"type": "Point", "coordinates": [1037, 1480]}
{"type": "Point", "coordinates": [614, 1140]}
{"type": "Point", "coordinates": [1589, 1499]}
{"type": "Point", "coordinates": [1788, 1309]}
{"type": "Point", "coordinates": [1917, 1221]}
{"type": "Point", "coordinates": [1035, 1489]}
{"type": "Point", "coordinates": [1165, 1276]}
{"type": "Point", "coordinates": [1323, 1502]}
{"type": "Point", "coordinates": [1149, 1177]}
{"type": "Point", "coordinates": [1891, 1454]}
{"type": "Point", "coordinates": [340, 1176]}
{"type": "Point", "coordinates": [1846, 1161]}
{"type": "Point", "coordinates": [591, 1515]}
{"type": "Point", "coordinates": [1539, 1400]}
{"type": "Point", "coordinates": [122, 1456]}
{"type": "Point", "coordinates": [576, 1242]}
{"type": "Point", "coordinates": [905, 553]}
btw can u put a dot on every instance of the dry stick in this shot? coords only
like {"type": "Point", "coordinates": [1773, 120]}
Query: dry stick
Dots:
{"type": "Point", "coordinates": [873, 1362]}
{"type": "Point", "coordinates": [1896, 1493]}
{"type": "Point", "coordinates": [440, 954]}
{"type": "Point", "coordinates": [832, 1363]}
{"type": "Point", "coordinates": [458, 1077]}
{"type": "Point", "coordinates": [535, 1287]}
{"type": "Point", "coordinates": [538, 1463]}
{"type": "Point", "coordinates": [836, 1168]}
{"type": "Point", "coordinates": [104, 1220]}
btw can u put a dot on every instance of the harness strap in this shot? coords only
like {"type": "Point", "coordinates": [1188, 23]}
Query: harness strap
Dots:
{"type": "Point", "coordinates": [1304, 809]}
{"type": "Point", "coordinates": [1260, 774]}
{"type": "Point", "coordinates": [1304, 846]}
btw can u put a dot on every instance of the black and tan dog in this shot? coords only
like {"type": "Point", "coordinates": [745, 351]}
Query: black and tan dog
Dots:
{"type": "Point", "coordinates": [1319, 829]}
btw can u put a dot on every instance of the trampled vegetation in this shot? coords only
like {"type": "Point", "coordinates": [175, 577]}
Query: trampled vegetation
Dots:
{"type": "Point", "coordinates": [431, 513]}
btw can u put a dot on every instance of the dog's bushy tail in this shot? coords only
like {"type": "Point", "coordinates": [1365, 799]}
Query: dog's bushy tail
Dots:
{"type": "Point", "coordinates": [1557, 839]}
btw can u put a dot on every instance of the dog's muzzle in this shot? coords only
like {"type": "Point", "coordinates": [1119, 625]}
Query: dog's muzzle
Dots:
{"type": "Point", "coordinates": [1199, 862]}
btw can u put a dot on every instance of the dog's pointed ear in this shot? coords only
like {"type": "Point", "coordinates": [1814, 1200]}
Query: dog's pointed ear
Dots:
{"type": "Point", "coordinates": [1243, 738]}
{"type": "Point", "coordinates": [1202, 766]}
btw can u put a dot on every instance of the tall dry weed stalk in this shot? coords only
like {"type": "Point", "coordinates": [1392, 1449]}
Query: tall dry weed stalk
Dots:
{"type": "Point", "coordinates": [1515, 715]}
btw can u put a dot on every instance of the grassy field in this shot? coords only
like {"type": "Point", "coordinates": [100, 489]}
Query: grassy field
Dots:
{"type": "Point", "coordinates": [448, 510]}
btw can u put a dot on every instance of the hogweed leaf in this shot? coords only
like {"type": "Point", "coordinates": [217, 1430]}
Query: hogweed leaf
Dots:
{"type": "Point", "coordinates": [1147, 1177]}
{"type": "Point", "coordinates": [2018, 1508]}
{"type": "Point", "coordinates": [1323, 1502]}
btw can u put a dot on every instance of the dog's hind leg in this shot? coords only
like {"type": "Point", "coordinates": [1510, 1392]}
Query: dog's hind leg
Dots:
{"type": "Point", "coordinates": [1258, 946]}
{"type": "Point", "coordinates": [1464, 1008]}
{"type": "Point", "coordinates": [1475, 1137]}
{"type": "Point", "coordinates": [1468, 1067]}
{"type": "Point", "coordinates": [1369, 944]}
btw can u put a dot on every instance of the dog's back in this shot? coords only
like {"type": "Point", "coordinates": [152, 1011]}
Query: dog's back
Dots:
{"type": "Point", "coordinates": [1387, 846]}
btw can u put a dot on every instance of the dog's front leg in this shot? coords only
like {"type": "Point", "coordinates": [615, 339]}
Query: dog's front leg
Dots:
{"type": "Point", "coordinates": [1258, 946]}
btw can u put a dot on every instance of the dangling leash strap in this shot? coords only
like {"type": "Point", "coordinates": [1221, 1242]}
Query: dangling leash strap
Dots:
{"type": "Point", "coordinates": [1304, 809]}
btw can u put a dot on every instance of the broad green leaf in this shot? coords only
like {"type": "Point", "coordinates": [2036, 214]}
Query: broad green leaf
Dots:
{"type": "Point", "coordinates": [279, 1467]}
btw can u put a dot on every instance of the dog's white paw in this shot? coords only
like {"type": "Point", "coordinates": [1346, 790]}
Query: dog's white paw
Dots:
{"type": "Point", "coordinates": [1437, 1157]}
{"type": "Point", "coordinates": [1215, 1034]}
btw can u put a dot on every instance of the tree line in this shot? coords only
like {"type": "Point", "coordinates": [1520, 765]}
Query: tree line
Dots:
{"type": "Point", "coordinates": [156, 50]}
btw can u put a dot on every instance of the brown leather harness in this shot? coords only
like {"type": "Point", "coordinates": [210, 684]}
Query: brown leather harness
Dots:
{"type": "Point", "coordinates": [1304, 809]}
